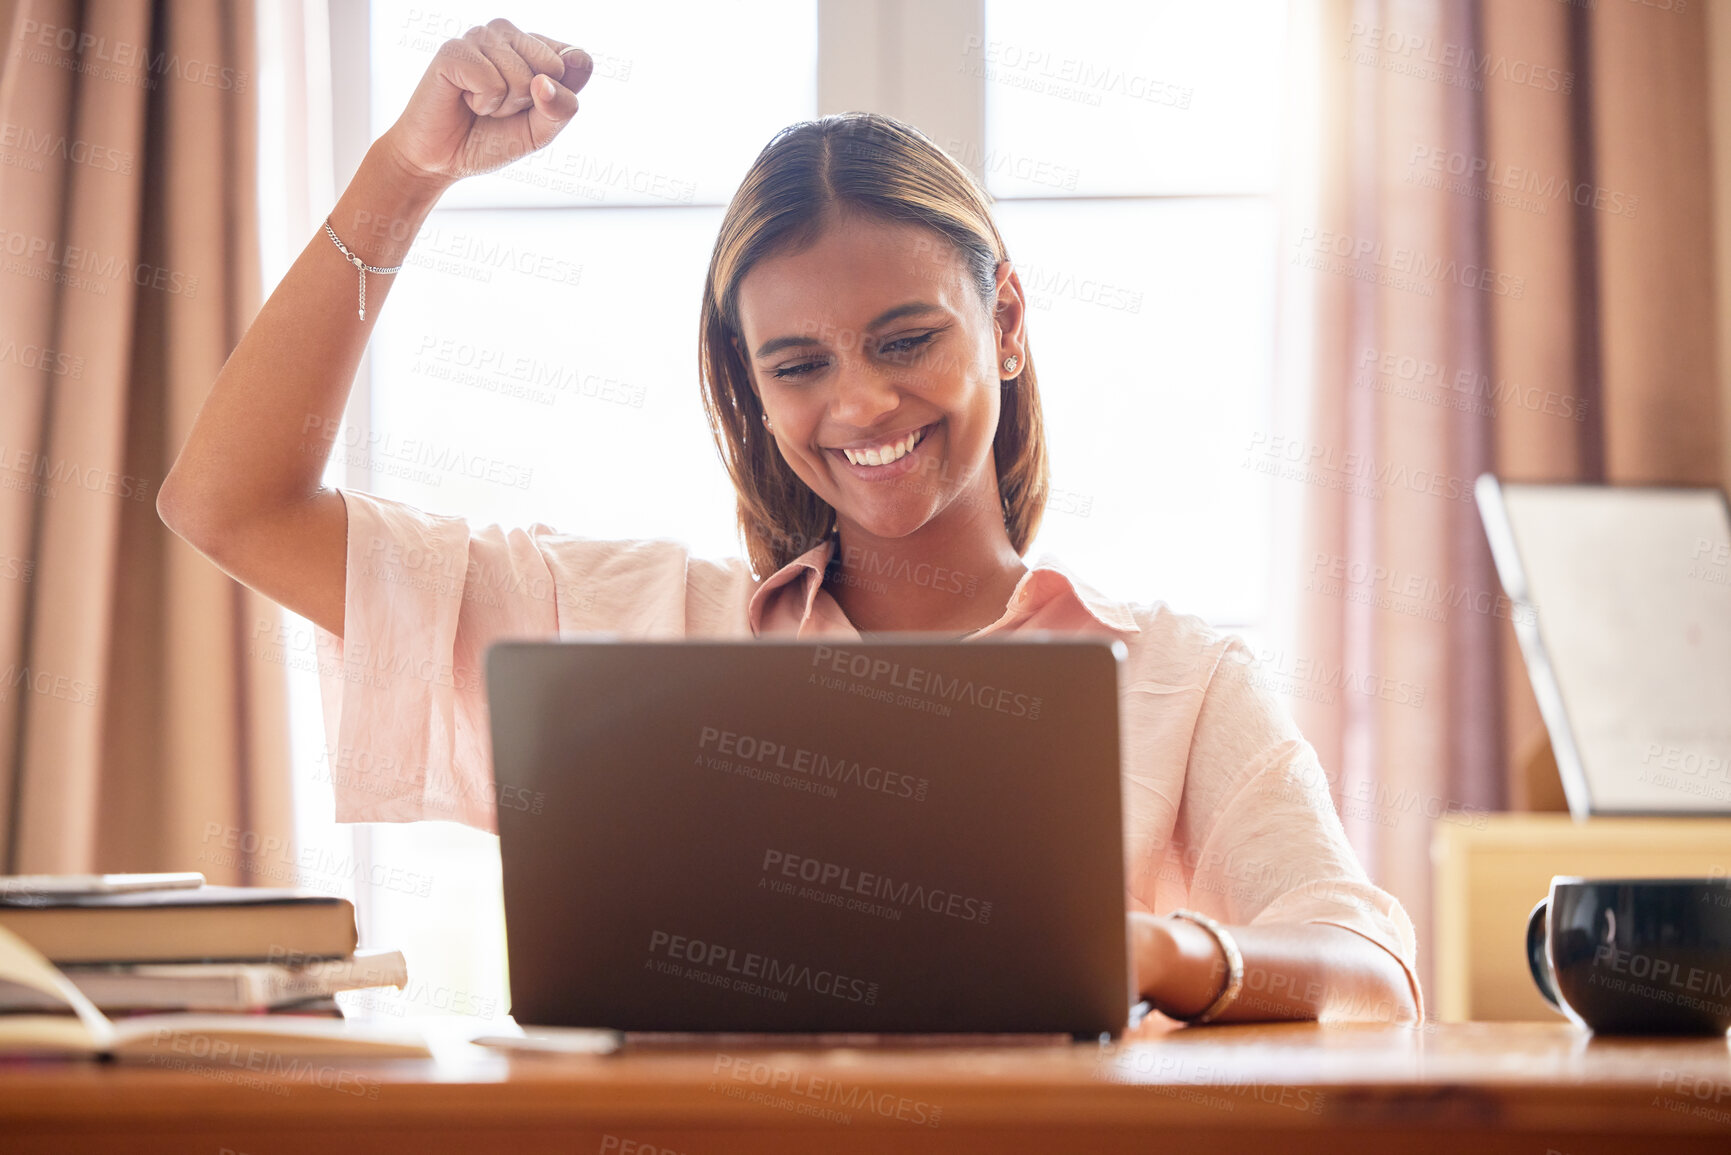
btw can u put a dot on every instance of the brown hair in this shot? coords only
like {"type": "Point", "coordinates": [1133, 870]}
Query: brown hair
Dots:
{"type": "Point", "coordinates": [809, 173]}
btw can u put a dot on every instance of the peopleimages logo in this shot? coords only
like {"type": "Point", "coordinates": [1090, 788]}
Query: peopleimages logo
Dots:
{"type": "Point", "coordinates": [801, 1093]}
{"type": "Point", "coordinates": [721, 960]}
{"type": "Point", "coordinates": [1399, 266]}
{"type": "Point", "coordinates": [1656, 971]}
{"type": "Point", "coordinates": [1386, 372]}
{"type": "Point", "coordinates": [1359, 474]}
{"type": "Point", "coordinates": [86, 268]}
{"type": "Point", "coordinates": [1453, 63]}
{"type": "Point", "coordinates": [821, 875]}
{"type": "Point", "coordinates": [830, 663]}
{"type": "Point", "coordinates": [752, 757]}
{"type": "Point", "coordinates": [1690, 771]}
{"type": "Point", "coordinates": [114, 60]}
{"type": "Point", "coordinates": [53, 144]}
{"type": "Point", "coordinates": [1514, 185]}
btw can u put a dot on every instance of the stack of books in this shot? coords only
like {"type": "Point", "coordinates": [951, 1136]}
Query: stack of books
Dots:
{"type": "Point", "coordinates": [138, 944]}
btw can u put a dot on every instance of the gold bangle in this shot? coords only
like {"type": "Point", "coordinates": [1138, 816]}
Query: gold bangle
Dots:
{"type": "Point", "coordinates": [1234, 968]}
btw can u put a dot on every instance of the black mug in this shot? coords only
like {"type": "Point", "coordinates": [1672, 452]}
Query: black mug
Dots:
{"type": "Point", "coordinates": [1641, 956]}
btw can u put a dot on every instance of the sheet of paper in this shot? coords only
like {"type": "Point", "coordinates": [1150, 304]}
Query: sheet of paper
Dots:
{"type": "Point", "coordinates": [553, 1041]}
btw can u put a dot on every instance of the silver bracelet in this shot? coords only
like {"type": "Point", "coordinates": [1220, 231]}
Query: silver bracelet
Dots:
{"type": "Point", "coordinates": [1234, 968]}
{"type": "Point", "coordinates": [361, 267]}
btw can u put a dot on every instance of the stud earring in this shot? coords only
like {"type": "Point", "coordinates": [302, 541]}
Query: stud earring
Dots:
{"type": "Point", "coordinates": [766, 423]}
{"type": "Point", "coordinates": [1010, 363]}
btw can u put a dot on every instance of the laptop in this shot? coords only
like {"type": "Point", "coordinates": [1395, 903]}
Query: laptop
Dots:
{"type": "Point", "coordinates": [876, 837]}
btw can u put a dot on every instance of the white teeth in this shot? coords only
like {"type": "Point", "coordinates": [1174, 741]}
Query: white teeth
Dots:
{"type": "Point", "coordinates": [884, 454]}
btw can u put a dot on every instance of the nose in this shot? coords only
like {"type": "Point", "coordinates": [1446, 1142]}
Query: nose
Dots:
{"type": "Point", "coordinates": [862, 396]}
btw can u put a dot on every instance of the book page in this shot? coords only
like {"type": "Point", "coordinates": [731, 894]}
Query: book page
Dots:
{"type": "Point", "coordinates": [223, 1037]}
{"type": "Point", "coordinates": [90, 1032]}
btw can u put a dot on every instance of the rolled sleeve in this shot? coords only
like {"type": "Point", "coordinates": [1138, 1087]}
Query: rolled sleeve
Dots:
{"type": "Point", "coordinates": [1271, 846]}
{"type": "Point", "coordinates": [405, 708]}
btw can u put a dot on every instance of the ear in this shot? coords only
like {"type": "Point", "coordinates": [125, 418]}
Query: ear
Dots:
{"type": "Point", "coordinates": [1009, 314]}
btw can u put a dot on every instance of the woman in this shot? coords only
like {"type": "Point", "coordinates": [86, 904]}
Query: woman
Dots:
{"type": "Point", "coordinates": [867, 372]}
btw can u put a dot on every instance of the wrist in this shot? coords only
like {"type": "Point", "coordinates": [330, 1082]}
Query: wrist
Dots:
{"type": "Point", "coordinates": [382, 210]}
{"type": "Point", "coordinates": [1180, 967]}
{"type": "Point", "coordinates": [420, 186]}
{"type": "Point", "coordinates": [1210, 949]}
{"type": "Point", "coordinates": [1194, 969]}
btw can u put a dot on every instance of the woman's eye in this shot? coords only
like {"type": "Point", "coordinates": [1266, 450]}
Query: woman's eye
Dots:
{"type": "Point", "coordinates": [901, 349]}
{"type": "Point", "coordinates": [902, 346]}
{"type": "Point", "coordinates": [798, 370]}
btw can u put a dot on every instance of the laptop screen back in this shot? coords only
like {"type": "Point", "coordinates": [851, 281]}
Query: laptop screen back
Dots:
{"type": "Point", "coordinates": [894, 836]}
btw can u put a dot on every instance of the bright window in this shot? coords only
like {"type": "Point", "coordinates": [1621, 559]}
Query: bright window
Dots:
{"type": "Point", "coordinates": [1133, 154]}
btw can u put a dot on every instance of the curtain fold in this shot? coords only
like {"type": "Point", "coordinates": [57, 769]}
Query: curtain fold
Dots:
{"type": "Point", "coordinates": [1511, 271]}
{"type": "Point", "coordinates": [133, 736]}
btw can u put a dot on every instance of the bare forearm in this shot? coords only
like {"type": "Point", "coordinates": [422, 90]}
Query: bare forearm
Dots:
{"type": "Point", "coordinates": [258, 447]}
{"type": "Point", "coordinates": [1301, 971]}
{"type": "Point", "coordinates": [261, 439]}
{"type": "Point", "coordinates": [245, 490]}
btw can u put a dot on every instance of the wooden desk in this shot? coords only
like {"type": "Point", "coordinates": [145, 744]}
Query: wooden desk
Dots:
{"type": "Point", "coordinates": [1479, 1087]}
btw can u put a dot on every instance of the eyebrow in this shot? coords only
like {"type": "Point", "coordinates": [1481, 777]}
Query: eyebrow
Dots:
{"type": "Point", "coordinates": [911, 308]}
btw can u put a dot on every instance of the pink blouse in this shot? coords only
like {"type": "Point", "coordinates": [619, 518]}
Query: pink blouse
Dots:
{"type": "Point", "coordinates": [1226, 807]}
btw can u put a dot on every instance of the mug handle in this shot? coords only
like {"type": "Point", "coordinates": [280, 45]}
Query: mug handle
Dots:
{"type": "Point", "coordinates": [1538, 930]}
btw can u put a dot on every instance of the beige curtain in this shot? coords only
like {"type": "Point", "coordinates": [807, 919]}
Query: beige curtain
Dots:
{"type": "Point", "coordinates": [1510, 262]}
{"type": "Point", "coordinates": [134, 732]}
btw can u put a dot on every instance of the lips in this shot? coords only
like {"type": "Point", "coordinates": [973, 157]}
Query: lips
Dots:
{"type": "Point", "coordinates": [885, 458]}
{"type": "Point", "coordinates": [887, 453]}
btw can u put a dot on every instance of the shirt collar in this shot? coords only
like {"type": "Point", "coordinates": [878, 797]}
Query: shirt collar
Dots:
{"type": "Point", "coordinates": [1046, 580]}
{"type": "Point", "coordinates": [811, 565]}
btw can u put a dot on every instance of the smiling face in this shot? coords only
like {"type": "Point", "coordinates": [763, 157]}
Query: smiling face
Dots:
{"type": "Point", "coordinates": [878, 366]}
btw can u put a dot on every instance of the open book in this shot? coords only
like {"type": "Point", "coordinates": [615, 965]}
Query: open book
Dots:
{"type": "Point", "coordinates": [209, 1037]}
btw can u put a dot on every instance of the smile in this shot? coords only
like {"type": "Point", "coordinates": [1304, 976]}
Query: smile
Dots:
{"type": "Point", "coordinates": [886, 454]}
